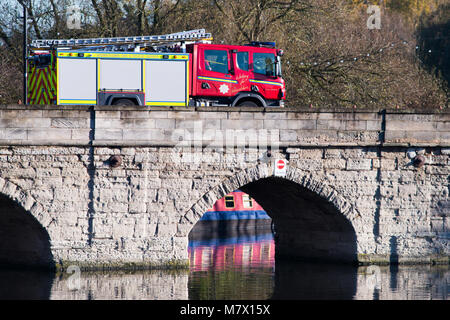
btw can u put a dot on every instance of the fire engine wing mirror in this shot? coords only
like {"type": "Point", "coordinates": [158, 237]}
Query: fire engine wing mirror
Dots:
{"type": "Point", "coordinates": [278, 66]}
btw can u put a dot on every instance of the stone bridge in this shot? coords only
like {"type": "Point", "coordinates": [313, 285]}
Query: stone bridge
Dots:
{"type": "Point", "coordinates": [117, 187]}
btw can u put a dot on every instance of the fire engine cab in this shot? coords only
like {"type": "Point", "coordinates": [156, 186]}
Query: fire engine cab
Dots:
{"type": "Point", "coordinates": [181, 69]}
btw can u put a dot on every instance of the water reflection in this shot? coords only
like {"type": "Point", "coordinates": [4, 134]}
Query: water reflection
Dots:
{"type": "Point", "coordinates": [303, 281]}
{"type": "Point", "coordinates": [25, 285]}
{"type": "Point", "coordinates": [240, 266]}
{"type": "Point", "coordinates": [237, 267]}
{"type": "Point", "coordinates": [140, 285]}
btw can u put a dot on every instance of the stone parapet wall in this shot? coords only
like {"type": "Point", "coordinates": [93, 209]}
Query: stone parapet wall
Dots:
{"type": "Point", "coordinates": [81, 125]}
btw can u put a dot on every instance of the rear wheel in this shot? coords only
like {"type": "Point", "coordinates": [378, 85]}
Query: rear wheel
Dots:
{"type": "Point", "coordinates": [247, 103]}
{"type": "Point", "coordinates": [123, 102]}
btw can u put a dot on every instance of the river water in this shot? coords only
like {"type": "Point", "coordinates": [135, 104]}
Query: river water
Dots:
{"type": "Point", "coordinates": [241, 266]}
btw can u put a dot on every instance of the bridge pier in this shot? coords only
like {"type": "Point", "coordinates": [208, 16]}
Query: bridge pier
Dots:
{"type": "Point", "coordinates": [351, 192]}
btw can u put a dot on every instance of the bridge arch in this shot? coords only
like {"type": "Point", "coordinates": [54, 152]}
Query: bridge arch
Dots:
{"type": "Point", "coordinates": [24, 241]}
{"type": "Point", "coordinates": [313, 221]}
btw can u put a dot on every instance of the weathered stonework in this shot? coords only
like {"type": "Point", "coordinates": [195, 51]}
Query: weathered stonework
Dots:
{"type": "Point", "coordinates": [351, 191]}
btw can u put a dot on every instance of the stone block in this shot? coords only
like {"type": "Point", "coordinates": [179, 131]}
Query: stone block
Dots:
{"type": "Point", "coordinates": [81, 134]}
{"type": "Point", "coordinates": [49, 134]}
{"type": "Point", "coordinates": [166, 230]}
{"type": "Point", "coordinates": [150, 114]}
{"type": "Point", "coordinates": [402, 125]}
{"type": "Point", "coordinates": [198, 124]}
{"type": "Point", "coordinates": [128, 114]}
{"type": "Point", "coordinates": [331, 124]}
{"type": "Point", "coordinates": [13, 134]}
{"type": "Point", "coordinates": [308, 164]}
{"type": "Point", "coordinates": [76, 114]}
{"type": "Point", "coordinates": [241, 124]}
{"type": "Point", "coordinates": [443, 126]}
{"type": "Point", "coordinates": [102, 229]}
{"type": "Point", "coordinates": [359, 164]}
{"type": "Point", "coordinates": [331, 153]}
{"type": "Point", "coordinates": [241, 115]}
{"type": "Point", "coordinates": [395, 135]}
{"type": "Point", "coordinates": [275, 124]}
{"type": "Point", "coordinates": [373, 125]}
{"type": "Point", "coordinates": [25, 123]}
{"type": "Point", "coordinates": [300, 124]}
{"type": "Point", "coordinates": [165, 123]}
{"type": "Point", "coordinates": [316, 136]}
{"type": "Point", "coordinates": [213, 115]}
{"type": "Point", "coordinates": [17, 114]}
{"type": "Point", "coordinates": [334, 163]}
{"type": "Point", "coordinates": [270, 116]}
{"type": "Point", "coordinates": [109, 134]}
{"type": "Point", "coordinates": [183, 115]}
{"type": "Point", "coordinates": [444, 137]}
{"type": "Point", "coordinates": [77, 123]}
{"type": "Point", "coordinates": [388, 164]}
{"type": "Point", "coordinates": [355, 125]}
{"type": "Point", "coordinates": [423, 136]}
{"type": "Point", "coordinates": [106, 114]}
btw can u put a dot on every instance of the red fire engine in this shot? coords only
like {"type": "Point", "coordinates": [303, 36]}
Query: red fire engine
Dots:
{"type": "Point", "coordinates": [181, 69]}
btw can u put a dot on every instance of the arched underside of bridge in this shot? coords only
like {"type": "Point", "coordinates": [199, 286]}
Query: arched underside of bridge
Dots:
{"type": "Point", "coordinates": [312, 221]}
{"type": "Point", "coordinates": [23, 240]}
{"type": "Point", "coordinates": [308, 227]}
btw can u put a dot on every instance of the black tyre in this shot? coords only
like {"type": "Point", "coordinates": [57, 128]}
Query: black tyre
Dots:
{"type": "Point", "coordinates": [247, 103]}
{"type": "Point", "coordinates": [123, 102]}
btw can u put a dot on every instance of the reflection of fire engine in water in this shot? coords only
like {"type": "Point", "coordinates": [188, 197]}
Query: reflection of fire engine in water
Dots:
{"type": "Point", "coordinates": [233, 253]}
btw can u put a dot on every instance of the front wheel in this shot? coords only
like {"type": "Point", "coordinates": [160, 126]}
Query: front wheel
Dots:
{"type": "Point", "coordinates": [247, 104]}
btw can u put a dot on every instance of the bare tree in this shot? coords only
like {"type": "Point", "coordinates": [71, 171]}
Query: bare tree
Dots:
{"type": "Point", "coordinates": [254, 19]}
{"type": "Point", "coordinates": [331, 58]}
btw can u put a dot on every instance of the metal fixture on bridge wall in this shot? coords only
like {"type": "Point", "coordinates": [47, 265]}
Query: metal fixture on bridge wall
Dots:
{"type": "Point", "coordinates": [419, 161]}
{"type": "Point", "coordinates": [115, 161]}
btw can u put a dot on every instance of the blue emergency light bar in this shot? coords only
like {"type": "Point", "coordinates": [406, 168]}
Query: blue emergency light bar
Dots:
{"type": "Point", "coordinates": [263, 44]}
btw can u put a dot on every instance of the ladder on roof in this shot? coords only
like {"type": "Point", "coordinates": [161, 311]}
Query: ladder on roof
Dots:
{"type": "Point", "coordinates": [192, 35]}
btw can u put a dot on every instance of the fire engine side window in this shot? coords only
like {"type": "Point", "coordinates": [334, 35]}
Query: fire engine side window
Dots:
{"type": "Point", "coordinates": [264, 63]}
{"type": "Point", "coordinates": [42, 60]}
{"type": "Point", "coordinates": [216, 60]}
{"type": "Point", "coordinates": [242, 60]}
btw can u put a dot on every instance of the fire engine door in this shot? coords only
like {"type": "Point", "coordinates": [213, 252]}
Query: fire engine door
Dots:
{"type": "Point", "coordinates": [214, 73]}
{"type": "Point", "coordinates": [242, 72]}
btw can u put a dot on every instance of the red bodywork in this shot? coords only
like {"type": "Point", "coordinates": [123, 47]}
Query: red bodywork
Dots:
{"type": "Point", "coordinates": [225, 71]}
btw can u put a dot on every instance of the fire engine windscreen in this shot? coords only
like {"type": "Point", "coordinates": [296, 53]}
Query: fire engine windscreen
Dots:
{"type": "Point", "coordinates": [264, 63]}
